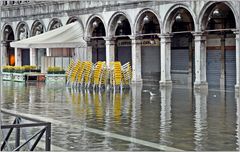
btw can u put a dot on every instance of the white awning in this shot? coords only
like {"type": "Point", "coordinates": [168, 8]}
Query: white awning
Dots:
{"type": "Point", "coordinates": [67, 36]}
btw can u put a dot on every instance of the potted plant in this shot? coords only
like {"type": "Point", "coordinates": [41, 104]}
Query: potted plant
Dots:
{"type": "Point", "coordinates": [8, 69]}
{"type": "Point", "coordinates": [55, 74]}
{"type": "Point", "coordinates": [19, 69]}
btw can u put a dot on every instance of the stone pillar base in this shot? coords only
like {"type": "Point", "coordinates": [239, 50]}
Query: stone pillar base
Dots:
{"type": "Point", "coordinates": [237, 88]}
{"type": "Point", "coordinates": [165, 83]}
{"type": "Point", "coordinates": [201, 85]}
{"type": "Point", "coordinates": [137, 81]}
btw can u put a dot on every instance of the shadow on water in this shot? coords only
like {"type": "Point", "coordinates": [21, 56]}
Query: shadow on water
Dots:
{"type": "Point", "coordinates": [176, 116]}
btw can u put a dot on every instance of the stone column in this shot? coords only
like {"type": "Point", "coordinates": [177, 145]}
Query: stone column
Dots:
{"type": "Point", "coordinates": [200, 60]}
{"type": "Point", "coordinates": [165, 59]}
{"type": "Point", "coordinates": [48, 52]}
{"type": "Point", "coordinates": [4, 55]}
{"type": "Point", "coordinates": [237, 60]}
{"type": "Point", "coordinates": [33, 54]}
{"type": "Point", "coordinates": [89, 50]}
{"type": "Point", "coordinates": [136, 60]}
{"type": "Point", "coordinates": [18, 56]}
{"type": "Point", "coordinates": [110, 50]}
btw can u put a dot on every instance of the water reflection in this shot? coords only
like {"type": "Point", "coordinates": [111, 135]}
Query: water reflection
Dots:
{"type": "Point", "coordinates": [165, 114]}
{"type": "Point", "coordinates": [177, 117]}
{"type": "Point", "coordinates": [237, 96]}
{"type": "Point", "coordinates": [200, 132]}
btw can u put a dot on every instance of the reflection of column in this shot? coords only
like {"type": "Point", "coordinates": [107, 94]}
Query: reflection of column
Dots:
{"type": "Point", "coordinates": [200, 132]}
{"type": "Point", "coordinates": [200, 60]}
{"type": "Point", "coordinates": [237, 97]}
{"type": "Point", "coordinates": [165, 116]}
{"type": "Point", "coordinates": [237, 60]}
{"type": "Point", "coordinates": [136, 60]}
{"type": "Point", "coordinates": [110, 50]}
{"type": "Point", "coordinates": [223, 68]}
{"type": "Point", "coordinates": [18, 57]}
{"type": "Point", "coordinates": [165, 59]}
{"type": "Point", "coordinates": [136, 112]}
{"type": "Point", "coordinates": [33, 53]}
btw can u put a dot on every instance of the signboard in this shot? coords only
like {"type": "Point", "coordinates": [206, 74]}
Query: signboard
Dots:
{"type": "Point", "coordinates": [144, 42]}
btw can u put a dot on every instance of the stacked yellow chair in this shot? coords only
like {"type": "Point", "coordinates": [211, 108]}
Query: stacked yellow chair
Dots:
{"type": "Point", "coordinates": [75, 71]}
{"type": "Point", "coordinates": [88, 73]}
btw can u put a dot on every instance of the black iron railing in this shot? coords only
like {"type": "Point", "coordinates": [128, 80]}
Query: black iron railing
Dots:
{"type": "Point", "coordinates": [19, 126]}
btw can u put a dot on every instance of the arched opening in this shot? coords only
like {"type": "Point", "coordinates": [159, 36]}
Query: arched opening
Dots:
{"type": "Point", "coordinates": [219, 22]}
{"type": "Point", "coordinates": [148, 27]}
{"type": "Point", "coordinates": [55, 23]}
{"type": "Point", "coordinates": [97, 34]}
{"type": "Point", "coordinates": [123, 47]}
{"type": "Point", "coordinates": [38, 53]}
{"type": "Point", "coordinates": [23, 53]}
{"type": "Point", "coordinates": [182, 47]}
{"type": "Point", "coordinates": [72, 19]}
{"type": "Point", "coordinates": [8, 37]}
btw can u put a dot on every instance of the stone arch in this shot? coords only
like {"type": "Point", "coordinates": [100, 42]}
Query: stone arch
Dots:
{"type": "Point", "coordinates": [3, 35]}
{"type": "Point", "coordinates": [172, 13]}
{"type": "Point", "coordinates": [139, 17]}
{"type": "Point", "coordinates": [75, 18]}
{"type": "Point", "coordinates": [89, 27]}
{"type": "Point", "coordinates": [37, 27]}
{"type": "Point", "coordinates": [22, 31]}
{"type": "Point", "coordinates": [113, 22]}
{"type": "Point", "coordinates": [208, 8]}
{"type": "Point", "coordinates": [54, 23]}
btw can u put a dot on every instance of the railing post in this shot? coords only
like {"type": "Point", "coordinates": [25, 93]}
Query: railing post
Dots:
{"type": "Point", "coordinates": [17, 138]}
{"type": "Point", "coordinates": [48, 137]}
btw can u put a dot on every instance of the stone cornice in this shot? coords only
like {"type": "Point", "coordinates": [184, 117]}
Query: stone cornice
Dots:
{"type": "Point", "coordinates": [40, 7]}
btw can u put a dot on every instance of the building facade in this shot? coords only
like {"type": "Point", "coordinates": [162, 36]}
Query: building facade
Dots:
{"type": "Point", "coordinates": [185, 42]}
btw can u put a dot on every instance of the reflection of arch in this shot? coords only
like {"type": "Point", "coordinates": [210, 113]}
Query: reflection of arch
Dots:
{"type": "Point", "coordinates": [172, 13]}
{"type": "Point", "coordinates": [207, 9]}
{"type": "Point", "coordinates": [22, 30]}
{"type": "Point", "coordinates": [54, 23]}
{"type": "Point", "coordinates": [112, 24]}
{"type": "Point", "coordinates": [139, 19]}
{"type": "Point", "coordinates": [89, 25]}
{"type": "Point", "coordinates": [37, 28]}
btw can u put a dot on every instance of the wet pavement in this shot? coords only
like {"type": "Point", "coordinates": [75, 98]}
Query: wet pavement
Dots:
{"type": "Point", "coordinates": [140, 118]}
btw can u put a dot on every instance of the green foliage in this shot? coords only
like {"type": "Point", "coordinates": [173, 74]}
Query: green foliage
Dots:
{"type": "Point", "coordinates": [19, 69]}
{"type": "Point", "coordinates": [55, 70]}
{"type": "Point", "coordinates": [8, 68]}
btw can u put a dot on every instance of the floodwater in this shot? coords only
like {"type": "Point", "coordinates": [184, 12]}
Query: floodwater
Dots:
{"type": "Point", "coordinates": [140, 118]}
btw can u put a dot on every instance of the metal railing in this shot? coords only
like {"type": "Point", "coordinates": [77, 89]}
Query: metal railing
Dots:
{"type": "Point", "coordinates": [19, 126]}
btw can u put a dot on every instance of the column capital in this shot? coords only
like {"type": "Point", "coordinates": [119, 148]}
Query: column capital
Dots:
{"type": "Point", "coordinates": [165, 35]}
{"type": "Point", "coordinates": [165, 38]}
{"type": "Point", "coordinates": [236, 32]}
{"type": "Point", "coordinates": [135, 37]}
{"type": "Point", "coordinates": [199, 36]}
{"type": "Point", "coordinates": [3, 43]}
{"type": "Point", "coordinates": [198, 33]}
{"type": "Point", "coordinates": [110, 40]}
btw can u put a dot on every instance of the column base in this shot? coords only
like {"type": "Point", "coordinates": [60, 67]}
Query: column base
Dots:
{"type": "Point", "coordinates": [165, 83]}
{"type": "Point", "coordinates": [201, 85]}
{"type": "Point", "coordinates": [236, 88]}
{"type": "Point", "coordinates": [140, 81]}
